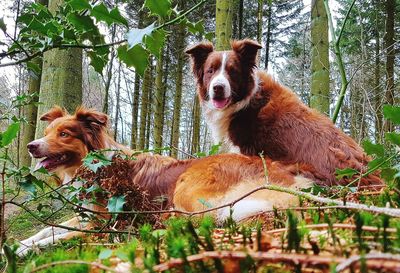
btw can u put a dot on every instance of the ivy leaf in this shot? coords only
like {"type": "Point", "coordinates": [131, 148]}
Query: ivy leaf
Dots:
{"type": "Point", "coordinates": [96, 160]}
{"type": "Point", "coordinates": [137, 57]}
{"type": "Point", "coordinates": [101, 13]}
{"type": "Point", "coordinates": [28, 187]}
{"type": "Point", "coordinates": [8, 135]}
{"type": "Point", "coordinates": [348, 172]}
{"type": "Point", "coordinates": [392, 113]}
{"type": "Point", "coordinates": [155, 42]}
{"type": "Point", "coordinates": [116, 203]}
{"type": "Point", "coordinates": [371, 148]}
{"type": "Point", "coordinates": [158, 7]}
{"type": "Point", "coordinates": [105, 254]}
{"type": "Point", "coordinates": [135, 36]}
{"type": "Point", "coordinates": [79, 5]}
{"type": "Point", "coordinates": [393, 138]}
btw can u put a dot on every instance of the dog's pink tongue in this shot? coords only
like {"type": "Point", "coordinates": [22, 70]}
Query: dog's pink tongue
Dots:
{"type": "Point", "coordinates": [219, 104]}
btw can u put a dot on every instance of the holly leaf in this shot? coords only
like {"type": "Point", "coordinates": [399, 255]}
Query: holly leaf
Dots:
{"type": "Point", "coordinates": [28, 187]}
{"type": "Point", "coordinates": [135, 36]}
{"type": "Point", "coordinates": [101, 13]}
{"type": "Point", "coordinates": [105, 254]}
{"type": "Point", "coordinates": [116, 203]}
{"type": "Point", "coordinates": [393, 138]}
{"type": "Point", "coordinates": [392, 113]}
{"type": "Point", "coordinates": [342, 173]}
{"type": "Point", "coordinates": [371, 148]}
{"type": "Point", "coordinates": [79, 5]}
{"type": "Point", "coordinates": [96, 160]}
{"type": "Point", "coordinates": [158, 7]}
{"type": "Point", "coordinates": [98, 62]}
{"type": "Point", "coordinates": [155, 42]}
{"type": "Point", "coordinates": [8, 135]}
{"type": "Point", "coordinates": [3, 26]}
{"type": "Point", "coordinates": [137, 57]}
{"type": "Point", "coordinates": [82, 23]}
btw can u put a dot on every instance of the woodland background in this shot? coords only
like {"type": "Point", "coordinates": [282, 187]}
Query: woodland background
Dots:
{"type": "Point", "coordinates": [158, 108]}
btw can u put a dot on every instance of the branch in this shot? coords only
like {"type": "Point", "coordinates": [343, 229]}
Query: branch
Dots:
{"type": "Point", "coordinates": [368, 257]}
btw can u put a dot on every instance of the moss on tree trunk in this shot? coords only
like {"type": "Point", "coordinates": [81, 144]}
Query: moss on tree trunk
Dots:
{"type": "Point", "coordinates": [223, 25]}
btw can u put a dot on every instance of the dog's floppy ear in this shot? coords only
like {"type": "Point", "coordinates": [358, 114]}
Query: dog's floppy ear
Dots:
{"type": "Point", "coordinates": [94, 123]}
{"type": "Point", "coordinates": [91, 117]}
{"type": "Point", "coordinates": [199, 54]}
{"type": "Point", "coordinates": [247, 50]}
{"type": "Point", "coordinates": [53, 113]}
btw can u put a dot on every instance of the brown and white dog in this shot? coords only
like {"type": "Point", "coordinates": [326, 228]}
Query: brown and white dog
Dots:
{"type": "Point", "coordinates": [249, 112]}
{"type": "Point", "coordinates": [217, 180]}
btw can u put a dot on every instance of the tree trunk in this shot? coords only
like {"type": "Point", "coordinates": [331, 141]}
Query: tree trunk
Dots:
{"type": "Point", "coordinates": [223, 26]}
{"type": "Point", "coordinates": [196, 126]}
{"type": "Point", "coordinates": [158, 103]}
{"type": "Point", "coordinates": [109, 73]}
{"type": "Point", "coordinates": [268, 34]}
{"type": "Point", "coordinates": [259, 20]}
{"type": "Point", "coordinates": [176, 118]}
{"type": "Point", "coordinates": [390, 56]}
{"type": "Point", "coordinates": [117, 104]}
{"type": "Point", "coordinates": [144, 109]}
{"type": "Point", "coordinates": [135, 111]}
{"type": "Point", "coordinates": [319, 58]}
{"type": "Point", "coordinates": [377, 79]}
{"type": "Point", "coordinates": [61, 81]}
{"type": "Point", "coordinates": [240, 19]}
{"type": "Point", "coordinates": [148, 121]}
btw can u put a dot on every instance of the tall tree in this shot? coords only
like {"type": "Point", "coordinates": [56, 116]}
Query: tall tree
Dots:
{"type": "Point", "coordinates": [319, 57]}
{"type": "Point", "coordinates": [30, 111]}
{"type": "Point", "coordinates": [390, 55]}
{"type": "Point", "coordinates": [377, 75]}
{"type": "Point", "coordinates": [196, 116]}
{"type": "Point", "coordinates": [223, 24]}
{"type": "Point", "coordinates": [176, 118]}
{"type": "Point", "coordinates": [159, 103]}
{"type": "Point", "coordinates": [61, 81]}
{"type": "Point", "coordinates": [144, 108]}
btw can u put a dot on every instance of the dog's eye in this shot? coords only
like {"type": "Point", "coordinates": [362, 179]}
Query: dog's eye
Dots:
{"type": "Point", "coordinates": [210, 70]}
{"type": "Point", "coordinates": [64, 134]}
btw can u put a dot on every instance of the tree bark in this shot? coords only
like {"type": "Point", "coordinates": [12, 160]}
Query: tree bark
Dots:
{"type": "Point", "coordinates": [259, 20]}
{"type": "Point", "coordinates": [61, 81]}
{"type": "Point", "coordinates": [109, 74]}
{"type": "Point", "coordinates": [180, 43]}
{"type": "Point", "coordinates": [268, 34]}
{"type": "Point", "coordinates": [196, 126]}
{"type": "Point", "coordinates": [377, 79]}
{"type": "Point", "coordinates": [117, 104]}
{"type": "Point", "coordinates": [158, 103]}
{"type": "Point", "coordinates": [223, 25]}
{"type": "Point", "coordinates": [240, 27]}
{"type": "Point", "coordinates": [390, 56]}
{"type": "Point", "coordinates": [319, 58]}
{"type": "Point", "coordinates": [144, 109]}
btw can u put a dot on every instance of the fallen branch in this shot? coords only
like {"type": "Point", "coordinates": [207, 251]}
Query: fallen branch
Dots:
{"type": "Point", "coordinates": [368, 257]}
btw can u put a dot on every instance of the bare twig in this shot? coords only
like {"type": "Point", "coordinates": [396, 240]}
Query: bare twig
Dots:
{"type": "Point", "coordinates": [368, 257]}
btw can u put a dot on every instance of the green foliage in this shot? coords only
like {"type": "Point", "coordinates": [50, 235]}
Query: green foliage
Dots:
{"type": "Point", "coordinates": [116, 203]}
{"type": "Point", "coordinates": [96, 160]}
{"type": "Point", "coordinates": [160, 8]}
{"type": "Point", "coordinates": [8, 135]}
{"type": "Point", "coordinates": [392, 113]}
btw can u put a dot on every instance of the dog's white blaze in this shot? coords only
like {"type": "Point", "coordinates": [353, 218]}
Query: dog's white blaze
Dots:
{"type": "Point", "coordinates": [42, 144]}
{"type": "Point", "coordinates": [220, 79]}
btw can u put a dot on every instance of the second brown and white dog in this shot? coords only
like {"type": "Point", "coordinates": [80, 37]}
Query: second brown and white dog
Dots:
{"type": "Point", "coordinates": [216, 179]}
{"type": "Point", "coordinates": [251, 113]}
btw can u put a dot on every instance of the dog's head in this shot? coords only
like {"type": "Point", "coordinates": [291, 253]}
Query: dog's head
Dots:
{"type": "Point", "coordinates": [224, 77]}
{"type": "Point", "coordinates": [68, 138]}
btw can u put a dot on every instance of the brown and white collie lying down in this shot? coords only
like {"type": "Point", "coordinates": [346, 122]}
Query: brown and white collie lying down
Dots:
{"type": "Point", "coordinates": [216, 179]}
{"type": "Point", "coordinates": [249, 113]}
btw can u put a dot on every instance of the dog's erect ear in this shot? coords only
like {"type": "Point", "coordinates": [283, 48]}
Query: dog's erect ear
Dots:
{"type": "Point", "coordinates": [91, 117]}
{"type": "Point", "coordinates": [199, 54]}
{"type": "Point", "coordinates": [247, 50]}
{"type": "Point", "coordinates": [54, 113]}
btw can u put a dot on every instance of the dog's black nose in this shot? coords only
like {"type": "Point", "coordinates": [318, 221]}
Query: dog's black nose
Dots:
{"type": "Point", "coordinates": [32, 147]}
{"type": "Point", "coordinates": [219, 91]}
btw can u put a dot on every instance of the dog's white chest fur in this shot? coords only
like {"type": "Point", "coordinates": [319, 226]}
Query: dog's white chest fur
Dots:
{"type": "Point", "coordinates": [219, 121]}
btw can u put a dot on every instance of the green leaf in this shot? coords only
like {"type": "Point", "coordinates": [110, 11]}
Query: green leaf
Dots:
{"type": "Point", "coordinates": [3, 26]}
{"type": "Point", "coordinates": [98, 62]}
{"type": "Point", "coordinates": [116, 203]}
{"type": "Point", "coordinates": [196, 28]}
{"type": "Point", "coordinates": [79, 5]}
{"type": "Point", "coordinates": [158, 7]}
{"type": "Point", "coordinates": [101, 13]}
{"type": "Point", "coordinates": [82, 23]}
{"type": "Point", "coordinates": [96, 160]}
{"type": "Point", "coordinates": [29, 187]}
{"type": "Point", "coordinates": [11, 133]}
{"type": "Point", "coordinates": [371, 148]}
{"type": "Point", "coordinates": [35, 25]}
{"type": "Point", "coordinates": [135, 36]}
{"type": "Point", "coordinates": [34, 67]}
{"type": "Point", "coordinates": [137, 57]}
{"type": "Point", "coordinates": [392, 113]}
{"type": "Point", "coordinates": [348, 172]}
{"type": "Point", "coordinates": [155, 42]}
{"type": "Point", "coordinates": [393, 138]}
{"type": "Point", "coordinates": [105, 254]}
{"type": "Point", "coordinates": [214, 149]}
{"type": "Point", "coordinates": [377, 162]}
